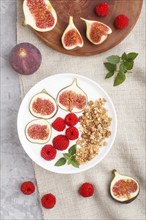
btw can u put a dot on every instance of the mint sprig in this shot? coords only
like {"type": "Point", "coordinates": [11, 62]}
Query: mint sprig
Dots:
{"type": "Point", "coordinates": [69, 158]}
{"type": "Point", "coordinates": [119, 66]}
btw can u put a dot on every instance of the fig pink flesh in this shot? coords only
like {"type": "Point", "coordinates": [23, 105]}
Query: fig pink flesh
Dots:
{"type": "Point", "coordinates": [72, 38]}
{"type": "Point", "coordinates": [71, 100]}
{"type": "Point", "coordinates": [41, 13]}
{"type": "Point", "coordinates": [124, 187]}
{"type": "Point", "coordinates": [97, 31]}
{"type": "Point", "coordinates": [43, 107]}
{"type": "Point", "coordinates": [38, 132]}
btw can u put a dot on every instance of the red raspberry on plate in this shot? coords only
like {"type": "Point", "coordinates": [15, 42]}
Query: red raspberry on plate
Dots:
{"type": "Point", "coordinates": [48, 201]}
{"type": "Point", "coordinates": [102, 9]}
{"type": "Point", "coordinates": [60, 142]}
{"type": "Point", "coordinates": [121, 21]}
{"type": "Point", "coordinates": [72, 133]}
{"type": "Point", "coordinates": [71, 119]}
{"type": "Point", "coordinates": [58, 124]}
{"type": "Point", "coordinates": [86, 190]}
{"type": "Point", "coordinates": [48, 152]}
{"type": "Point", "coordinates": [27, 188]}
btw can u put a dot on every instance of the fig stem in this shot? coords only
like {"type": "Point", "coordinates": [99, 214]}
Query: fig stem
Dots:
{"type": "Point", "coordinates": [115, 172]}
{"type": "Point", "coordinates": [71, 19]}
{"type": "Point", "coordinates": [75, 81]}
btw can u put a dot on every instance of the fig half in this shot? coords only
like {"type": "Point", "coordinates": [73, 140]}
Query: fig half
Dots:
{"type": "Point", "coordinates": [123, 188]}
{"type": "Point", "coordinates": [43, 105]}
{"type": "Point", "coordinates": [38, 131]}
{"type": "Point", "coordinates": [71, 38]}
{"type": "Point", "coordinates": [40, 15]}
{"type": "Point", "coordinates": [72, 98]}
{"type": "Point", "coordinates": [96, 32]}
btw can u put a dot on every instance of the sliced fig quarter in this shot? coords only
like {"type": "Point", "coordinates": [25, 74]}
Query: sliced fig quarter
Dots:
{"type": "Point", "coordinates": [43, 105]}
{"type": "Point", "coordinates": [72, 98]}
{"type": "Point", "coordinates": [123, 188]}
{"type": "Point", "coordinates": [38, 131]}
{"type": "Point", "coordinates": [71, 38]}
{"type": "Point", "coordinates": [96, 32]}
{"type": "Point", "coordinates": [40, 15]}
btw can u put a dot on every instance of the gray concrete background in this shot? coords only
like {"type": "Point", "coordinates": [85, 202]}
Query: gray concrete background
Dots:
{"type": "Point", "coordinates": [16, 167]}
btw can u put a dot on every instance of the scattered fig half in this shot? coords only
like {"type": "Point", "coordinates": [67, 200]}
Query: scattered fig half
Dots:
{"type": "Point", "coordinates": [38, 131]}
{"type": "Point", "coordinates": [43, 105]}
{"type": "Point", "coordinates": [25, 58]}
{"type": "Point", "coordinates": [96, 32]}
{"type": "Point", "coordinates": [71, 38]}
{"type": "Point", "coordinates": [40, 15]}
{"type": "Point", "coordinates": [123, 188]}
{"type": "Point", "coordinates": [72, 98]}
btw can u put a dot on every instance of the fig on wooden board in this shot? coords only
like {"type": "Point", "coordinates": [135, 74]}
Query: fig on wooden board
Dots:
{"type": "Point", "coordinates": [39, 14]}
{"type": "Point", "coordinates": [25, 58]}
{"type": "Point", "coordinates": [123, 188]}
{"type": "Point", "coordinates": [38, 131]}
{"type": "Point", "coordinates": [43, 105]}
{"type": "Point", "coordinates": [72, 98]}
{"type": "Point", "coordinates": [71, 38]}
{"type": "Point", "coordinates": [96, 32]}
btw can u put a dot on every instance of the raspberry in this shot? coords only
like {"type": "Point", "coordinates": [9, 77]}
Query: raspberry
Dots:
{"type": "Point", "coordinates": [58, 124]}
{"type": "Point", "coordinates": [72, 133]}
{"type": "Point", "coordinates": [48, 201]}
{"type": "Point", "coordinates": [60, 142]}
{"type": "Point", "coordinates": [86, 190]}
{"type": "Point", "coordinates": [48, 152]}
{"type": "Point", "coordinates": [27, 188]}
{"type": "Point", "coordinates": [121, 21]}
{"type": "Point", "coordinates": [102, 9]}
{"type": "Point", "coordinates": [71, 119]}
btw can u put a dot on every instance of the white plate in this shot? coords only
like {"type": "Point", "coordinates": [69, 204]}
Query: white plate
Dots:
{"type": "Point", "coordinates": [52, 85]}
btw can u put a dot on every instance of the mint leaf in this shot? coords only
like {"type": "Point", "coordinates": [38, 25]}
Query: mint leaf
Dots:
{"type": "Point", "coordinates": [114, 59]}
{"type": "Point", "coordinates": [120, 78]}
{"type": "Point", "coordinates": [110, 67]}
{"type": "Point", "coordinates": [74, 162]}
{"type": "Point", "coordinates": [124, 56]}
{"type": "Point", "coordinates": [131, 56]}
{"type": "Point", "coordinates": [72, 150]}
{"type": "Point", "coordinates": [108, 75]}
{"type": "Point", "coordinates": [122, 68]}
{"type": "Point", "coordinates": [67, 156]}
{"type": "Point", "coordinates": [60, 162]}
{"type": "Point", "coordinates": [128, 64]}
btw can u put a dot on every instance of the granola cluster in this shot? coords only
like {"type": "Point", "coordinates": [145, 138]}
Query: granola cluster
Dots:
{"type": "Point", "coordinates": [94, 128]}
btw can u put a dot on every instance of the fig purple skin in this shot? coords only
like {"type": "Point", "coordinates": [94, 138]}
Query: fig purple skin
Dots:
{"type": "Point", "coordinates": [25, 58]}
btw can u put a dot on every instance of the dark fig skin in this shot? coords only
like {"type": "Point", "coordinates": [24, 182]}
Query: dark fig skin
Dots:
{"type": "Point", "coordinates": [25, 58]}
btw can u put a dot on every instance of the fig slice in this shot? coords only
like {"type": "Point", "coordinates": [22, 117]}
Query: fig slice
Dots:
{"type": "Point", "coordinates": [71, 38]}
{"type": "Point", "coordinates": [123, 188]}
{"type": "Point", "coordinates": [43, 105]}
{"type": "Point", "coordinates": [38, 131]}
{"type": "Point", "coordinates": [96, 32]}
{"type": "Point", "coordinates": [40, 15]}
{"type": "Point", "coordinates": [72, 98]}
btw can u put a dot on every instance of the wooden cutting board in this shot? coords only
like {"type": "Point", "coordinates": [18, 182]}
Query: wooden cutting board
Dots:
{"type": "Point", "coordinates": [86, 9]}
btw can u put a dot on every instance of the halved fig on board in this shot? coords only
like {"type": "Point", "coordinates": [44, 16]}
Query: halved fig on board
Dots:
{"type": "Point", "coordinates": [71, 38]}
{"type": "Point", "coordinates": [43, 105]}
{"type": "Point", "coordinates": [72, 98]}
{"type": "Point", "coordinates": [40, 15]}
{"type": "Point", "coordinates": [96, 32]}
{"type": "Point", "coordinates": [123, 188]}
{"type": "Point", "coordinates": [38, 131]}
